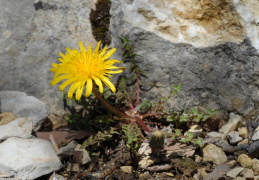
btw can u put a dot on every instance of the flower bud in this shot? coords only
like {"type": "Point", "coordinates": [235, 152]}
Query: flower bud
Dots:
{"type": "Point", "coordinates": [156, 140]}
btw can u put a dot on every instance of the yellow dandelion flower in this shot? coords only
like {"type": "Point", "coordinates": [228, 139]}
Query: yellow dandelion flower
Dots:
{"type": "Point", "coordinates": [80, 69]}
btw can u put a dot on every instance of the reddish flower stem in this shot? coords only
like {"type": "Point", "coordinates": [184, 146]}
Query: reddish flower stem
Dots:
{"type": "Point", "coordinates": [108, 106]}
{"type": "Point", "coordinates": [142, 124]}
{"type": "Point", "coordinates": [138, 89]}
{"type": "Point", "coordinates": [139, 120]}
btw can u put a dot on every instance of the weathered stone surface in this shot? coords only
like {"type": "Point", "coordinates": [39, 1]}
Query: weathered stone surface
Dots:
{"type": "Point", "coordinates": [247, 173]}
{"type": "Point", "coordinates": [244, 160]}
{"type": "Point", "coordinates": [225, 145]}
{"type": "Point", "coordinates": [255, 166]}
{"type": "Point", "coordinates": [242, 132]}
{"type": "Point", "coordinates": [234, 172]}
{"type": "Point", "coordinates": [256, 134]}
{"type": "Point", "coordinates": [214, 153]}
{"type": "Point", "coordinates": [215, 135]}
{"type": "Point", "coordinates": [126, 169]}
{"type": "Point", "coordinates": [215, 77]}
{"type": "Point", "coordinates": [27, 158]}
{"type": "Point", "coordinates": [32, 35]}
{"type": "Point", "coordinates": [67, 150]}
{"type": "Point", "coordinates": [234, 138]}
{"type": "Point", "coordinates": [253, 150]}
{"type": "Point", "coordinates": [232, 124]}
{"type": "Point", "coordinates": [218, 172]}
{"type": "Point", "coordinates": [6, 117]}
{"type": "Point", "coordinates": [24, 106]}
{"type": "Point", "coordinates": [245, 141]}
{"type": "Point", "coordinates": [85, 158]}
{"type": "Point", "coordinates": [21, 127]}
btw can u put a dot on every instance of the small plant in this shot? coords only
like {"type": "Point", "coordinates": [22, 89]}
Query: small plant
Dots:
{"type": "Point", "coordinates": [99, 138]}
{"type": "Point", "coordinates": [132, 136]}
{"type": "Point", "coordinates": [87, 70]}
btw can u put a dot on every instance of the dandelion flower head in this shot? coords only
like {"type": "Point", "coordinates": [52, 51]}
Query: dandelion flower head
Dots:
{"type": "Point", "coordinates": [81, 69]}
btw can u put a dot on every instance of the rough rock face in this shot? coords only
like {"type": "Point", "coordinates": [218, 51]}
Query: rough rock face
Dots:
{"type": "Point", "coordinates": [31, 36]}
{"type": "Point", "coordinates": [201, 23]}
{"type": "Point", "coordinates": [211, 46]}
{"type": "Point", "coordinates": [218, 70]}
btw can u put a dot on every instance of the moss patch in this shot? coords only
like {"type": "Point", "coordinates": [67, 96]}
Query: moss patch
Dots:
{"type": "Point", "coordinates": [186, 165]}
{"type": "Point", "coordinates": [100, 21]}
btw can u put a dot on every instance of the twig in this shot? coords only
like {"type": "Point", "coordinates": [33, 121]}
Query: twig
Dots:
{"type": "Point", "coordinates": [164, 167]}
{"type": "Point", "coordinates": [106, 174]}
{"type": "Point", "coordinates": [53, 142]}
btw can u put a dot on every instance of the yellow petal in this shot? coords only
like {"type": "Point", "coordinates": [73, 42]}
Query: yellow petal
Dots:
{"type": "Point", "coordinates": [65, 84]}
{"type": "Point", "coordinates": [81, 46]}
{"type": "Point", "coordinates": [89, 87]}
{"type": "Point", "coordinates": [103, 51]}
{"type": "Point", "coordinates": [97, 47]}
{"type": "Point", "coordinates": [54, 65]}
{"type": "Point", "coordinates": [115, 67]}
{"type": "Point", "coordinates": [59, 78]}
{"type": "Point", "coordinates": [108, 54]}
{"type": "Point", "coordinates": [62, 55]}
{"type": "Point", "coordinates": [114, 72]}
{"type": "Point", "coordinates": [72, 88]}
{"type": "Point", "coordinates": [108, 83]}
{"type": "Point", "coordinates": [79, 91]}
{"type": "Point", "coordinates": [99, 83]}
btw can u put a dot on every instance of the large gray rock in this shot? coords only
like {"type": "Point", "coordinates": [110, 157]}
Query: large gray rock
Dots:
{"type": "Point", "coordinates": [27, 158]}
{"type": "Point", "coordinates": [32, 35]}
{"type": "Point", "coordinates": [215, 74]}
{"type": "Point", "coordinates": [22, 105]}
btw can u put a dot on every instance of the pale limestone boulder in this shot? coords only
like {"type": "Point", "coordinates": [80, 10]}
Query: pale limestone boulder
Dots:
{"type": "Point", "coordinates": [27, 158]}
{"type": "Point", "coordinates": [21, 127]}
{"type": "Point", "coordinates": [214, 154]}
{"type": "Point", "coordinates": [22, 105]}
{"type": "Point", "coordinates": [6, 117]}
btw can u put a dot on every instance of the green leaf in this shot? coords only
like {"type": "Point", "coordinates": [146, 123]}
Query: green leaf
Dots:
{"type": "Point", "coordinates": [173, 137]}
{"type": "Point", "coordinates": [209, 111]}
{"type": "Point", "coordinates": [67, 118]}
{"type": "Point", "coordinates": [164, 99]}
{"type": "Point", "coordinates": [198, 141]}
{"type": "Point", "coordinates": [177, 132]}
{"type": "Point", "coordinates": [169, 119]}
{"type": "Point", "coordinates": [194, 111]}
{"type": "Point", "coordinates": [183, 118]}
{"type": "Point", "coordinates": [186, 140]}
{"type": "Point", "coordinates": [125, 41]}
{"type": "Point", "coordinates": [205, 117]}
{"type": "Point", "coordinates": [198, 118]}
{"type": "Point", "coordinates": [178, 87]}
{"type": "Point", "coordinates": [190, 134]}
{"type": "Point", "coordinates": [90, 139]}
{"type": "Point", "coordinates": [84, 145]}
